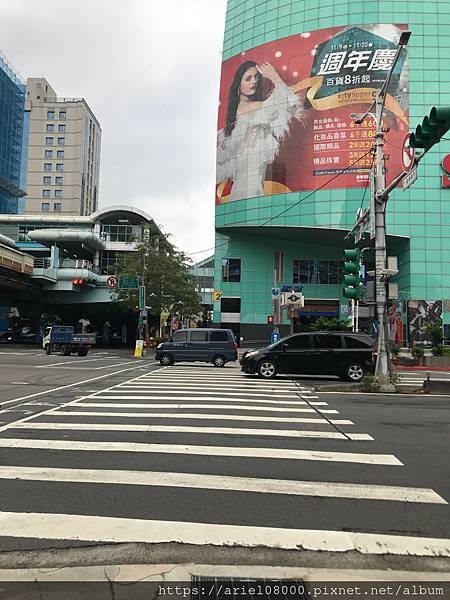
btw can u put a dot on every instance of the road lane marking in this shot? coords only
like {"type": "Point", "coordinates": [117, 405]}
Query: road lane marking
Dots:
{"type": "Point", "coordinates": [62, 387]}
{"type": "Point", "coordinates": [185, 405]}
{"type": "Point", "coordinates": [117, 530]}
{"type": "Point", "coordinates": [323, 489]}
{"type": "Point", "coordinates": [297, 433]}
{"type": "Point", "coordinates": [136, 390]}
{"type": "Point", "coordinates": [236, 452]}
{"type": "Point", "coordinates": [199, 416]}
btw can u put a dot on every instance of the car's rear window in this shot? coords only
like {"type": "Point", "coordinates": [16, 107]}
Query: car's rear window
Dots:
{"type": "Point", "coordinates": [354, 342]}
{"type": "Point", "coordinates": [327, 341]}
{"type": "Point", "coordinates": [180, 336]}
{"type": "Point", "coordinates": [199, 336]}
{"type": "Point", "coordinates": [219, 336]}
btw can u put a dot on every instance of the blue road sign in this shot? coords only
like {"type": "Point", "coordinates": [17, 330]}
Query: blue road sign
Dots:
{"type": "Point", "coordinates": [275, 336]}
{"type": "Point", "coordinates": [292, 288]}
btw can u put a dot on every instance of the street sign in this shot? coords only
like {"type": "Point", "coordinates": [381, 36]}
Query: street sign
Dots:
{"type": "Point", "coordinates": [408, 154]}
{"type": "Point", "coordinates": [112, 282]}
{"type": "Point", "coordinates": [292, 299]}
{"type": "Point", "coordinates": [275, 336]}
{"type": "Point", "coordinates": [217, 295]}
{"type": "Point", "coordinates": [141, 297]}
{"type": "Point", "coordinates": [128, 282]}
{"type": "Point", "coordinates": [275, 293]}
{"type": "Point", "coordinates": [410, 178]}
{"type": "Point", "coordinates": [292, 288]}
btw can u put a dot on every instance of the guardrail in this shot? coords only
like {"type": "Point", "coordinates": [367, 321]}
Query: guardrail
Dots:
{"type": "Point", "coordinates": [15, 260]}
{"type": "Point", "coordinates": [42, 263]}
{"type": "Point", "coordinates": [68, 263]}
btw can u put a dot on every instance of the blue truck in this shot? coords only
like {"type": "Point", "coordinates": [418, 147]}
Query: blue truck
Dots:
{"type": "Point", "coordinates": [63, 339]}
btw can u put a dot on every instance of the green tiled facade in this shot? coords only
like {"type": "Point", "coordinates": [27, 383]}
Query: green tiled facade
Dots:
{"type": "Point", "coordinates": [419, 217]}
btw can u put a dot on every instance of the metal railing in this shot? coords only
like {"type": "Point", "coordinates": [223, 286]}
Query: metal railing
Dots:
{"type": "Point", "coordinates": [68, 263]}
{"type": "Point", "coordinates": [41, 263]}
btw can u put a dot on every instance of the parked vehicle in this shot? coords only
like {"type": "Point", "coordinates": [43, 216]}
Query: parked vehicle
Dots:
{"type": "Point", "coordinates": [217, 346]}
{"type": "Point", "coordinates": [62, 339]}
{"type": "Point", "coordinates": [345, 354]}
{"type": "Point", "coordinates": [20, 331]}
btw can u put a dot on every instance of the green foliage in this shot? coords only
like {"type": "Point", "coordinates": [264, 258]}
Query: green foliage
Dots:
{"type": "Point", "coordinates": [434, 329]}
{"type": "Point", "coordinates": [168, 283]}
{"type": "Point", "coordinates": [395, 350]}
{"type": "Point", "coordinates": [417, 352]}
{"type": "Point", "coordinates": [437, 350]}
{"type": "Point", "coordinates": [331, 324]}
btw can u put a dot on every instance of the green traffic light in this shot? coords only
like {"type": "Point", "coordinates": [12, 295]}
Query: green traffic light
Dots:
{"type": "Point", "coordinates": [433, 127]}
{"type": "Point", "coordinates": [352, 255]}
{"type": "Point", "coordinates": [352, 280]}
{"type": "Point", "coordinates": [352, 293]}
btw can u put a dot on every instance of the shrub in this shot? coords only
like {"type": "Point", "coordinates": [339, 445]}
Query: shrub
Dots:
{"type": "Point", "coordinates": [331, 324]}
{"type": "Point", "coordinates": [437, 350]}
{"type": "Point", "coordinates": [417, 352]}
{"type": "Point", "coordinates": [435, 331]}
{"type": "Point", "coordinates": [395, 350]}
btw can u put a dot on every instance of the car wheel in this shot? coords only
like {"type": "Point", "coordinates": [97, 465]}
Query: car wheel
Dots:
{"type": "Point", "coordinates": [82, 352]}
{"type": "Point", "coordinates": [219, 361]}
{"type": "Point", "coordinates": [65, 351]}
{"type": "Point", "coordinates": [354, 372]}
{"type": "Point", "coordinates": [267, 369]}
{"type": "Point", "coordinates": [48, 349]}
{"type": "Point", "coordinates": [166, 360]}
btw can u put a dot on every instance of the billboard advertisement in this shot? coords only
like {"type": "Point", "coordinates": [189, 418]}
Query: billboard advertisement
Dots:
{"type": "Point", "coordinates": [287, 110]}
{"type": "Point", "coordinates": [421, 314]}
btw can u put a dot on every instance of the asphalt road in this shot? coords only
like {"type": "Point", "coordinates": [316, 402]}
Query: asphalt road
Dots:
{"type": "Point", "coordinates": [108, 450]}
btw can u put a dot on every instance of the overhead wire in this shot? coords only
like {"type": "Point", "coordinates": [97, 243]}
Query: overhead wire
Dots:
{"type": "Point", "coordinates": [341, 172]}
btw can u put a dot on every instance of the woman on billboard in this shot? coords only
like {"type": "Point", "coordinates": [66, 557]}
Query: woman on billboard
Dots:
{"type": "Point", "coordinates": [256, 124]}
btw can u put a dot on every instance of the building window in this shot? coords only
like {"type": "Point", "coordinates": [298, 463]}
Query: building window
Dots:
{"type": "Point", "coordinates": [46, 193]}
{"type": "Point", "coordinates": [62, 127]}
{"type": "Point", "coordinates": [60, 154]}
{"type": "Point", "coordinates": [57, 207]}
{"type": "Point", "coordinates": [45, 206]}
{"type": "Point", "coordinates": [50, 114]}
{"type": "Point", "coordinates": [58, 193]}
{"type": "Point", "coordinates": [58, 180]}
{"type": "Point", "coordinates": [62, 114]}
{"type": "Point", "coordinates": [59, 166]}
{"type": "Point", "coordinates": [318, 272]}
{"type": "Point", "coordinates": [49, 154]}
{"type": "Point", "coordinates": [50, 127]}
{"type": "Point", "coordinates": [61, 141]}
{"type": "Point", "coordinates": [47, 167]}
{"type": "Point", "coordinates": [47, 180]}
{"type": "Point", "coordinates": [231, 269]}
{"type": "Point", "coordinates": [49, 141]}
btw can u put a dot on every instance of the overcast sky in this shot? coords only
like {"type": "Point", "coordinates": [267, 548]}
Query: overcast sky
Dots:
{"type": "Point", "coordinates": [149, 70]}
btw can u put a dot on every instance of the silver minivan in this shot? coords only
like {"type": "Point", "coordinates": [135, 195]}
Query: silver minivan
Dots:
{"type": "Point", "coordinates": [216, 346]}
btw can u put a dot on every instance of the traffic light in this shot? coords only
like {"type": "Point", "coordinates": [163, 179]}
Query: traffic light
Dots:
{"type": "Point", "coordinates": [352, 283]}
{"type": "Point", "coordinates": [77, 281]}
{"type": "Point", "coordinates": [270, 320]}
{"type": "Point", "coordinates": [432, 129]}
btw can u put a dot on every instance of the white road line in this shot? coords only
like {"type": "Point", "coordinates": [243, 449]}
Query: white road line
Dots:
{"type": "Point", "coordinates": [185, 405]}
{"type": "Point", "coordinates": [297, 433]}
{"type": "Point", "coordinates": [17, 383]}
{"type": "Point", "coordinates": [324, 489]}
{"type": "Point", "coordinates": [69, 362]}
{"type": "Point", "coordinates": [219, 386]}
{"type": "Point", "coordinates": [117, 530]}
{"type": "Point", "coordinates": [187, 449]}
{"type": "Point", "coordinates": [62, 387]}
{"type": "Point", "coordinates": [135, 390]}
{"type": "Point", "coordinates": [109, 395]}
{"type": "Point", "coordinates": [199, 416]}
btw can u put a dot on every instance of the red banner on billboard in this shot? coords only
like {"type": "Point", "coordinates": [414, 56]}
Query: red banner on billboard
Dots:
{"type": "Point", "coordinates": [287, 110]}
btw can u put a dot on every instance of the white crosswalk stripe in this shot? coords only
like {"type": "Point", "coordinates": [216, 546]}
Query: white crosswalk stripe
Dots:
{"type": "Point", "coordinates": [229, 435]}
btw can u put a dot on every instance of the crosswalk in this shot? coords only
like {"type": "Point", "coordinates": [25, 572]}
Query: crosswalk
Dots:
{"type": "Point", "coordinates": [199, 455]}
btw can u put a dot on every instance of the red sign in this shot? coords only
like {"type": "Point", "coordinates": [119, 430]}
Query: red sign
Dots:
{"type": "Point", "coordinates": [287, 110]}
{"type": "Point", "coordinates": [446, 166]}
{"type": "Point", "coordinates": [111, 282]}
{"type": "Point", "coordinates": [408, 154]}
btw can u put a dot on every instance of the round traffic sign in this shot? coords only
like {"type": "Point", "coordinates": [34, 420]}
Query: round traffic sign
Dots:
{"type": "Point", "coordinates": [111, 282]}
{"type": "Point", "coordinates": [407, 154]}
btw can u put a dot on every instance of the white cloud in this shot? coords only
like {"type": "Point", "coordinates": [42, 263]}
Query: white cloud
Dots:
{"type": "Point", "coordinates": [149, 69]}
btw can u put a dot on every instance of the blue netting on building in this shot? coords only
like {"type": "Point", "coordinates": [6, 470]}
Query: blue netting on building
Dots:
{"type": "Point", "coordinates": [12, 104]}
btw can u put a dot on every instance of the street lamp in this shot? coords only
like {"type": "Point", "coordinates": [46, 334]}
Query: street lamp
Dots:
{"type": "Point", "coordinates": [381, 196]}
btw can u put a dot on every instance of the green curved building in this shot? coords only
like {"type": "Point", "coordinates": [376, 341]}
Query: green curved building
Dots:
{"type": "Point", "coordinates": [293, 167]}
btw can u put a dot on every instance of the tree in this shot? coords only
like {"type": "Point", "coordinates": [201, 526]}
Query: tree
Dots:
{"type": "Point", "coordinates": [330, 324]}
{"type": "Point", "coordinates": [165, 269]}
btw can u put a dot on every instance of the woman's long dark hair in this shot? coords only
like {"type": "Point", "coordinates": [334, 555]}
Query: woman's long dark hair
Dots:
{"type": "Point", "coordinates": [234, 95]}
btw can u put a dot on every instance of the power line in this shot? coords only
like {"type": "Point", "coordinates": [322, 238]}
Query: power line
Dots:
{"type": "Point", "coordinates": [292, 205]}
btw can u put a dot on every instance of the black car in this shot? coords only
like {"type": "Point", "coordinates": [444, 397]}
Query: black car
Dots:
{"type": "Point", "coordinates": [345, 354]}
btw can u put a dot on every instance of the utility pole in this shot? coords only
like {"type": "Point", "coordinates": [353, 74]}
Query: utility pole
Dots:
{"type": "Point", "coordinates": [381, 196]}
